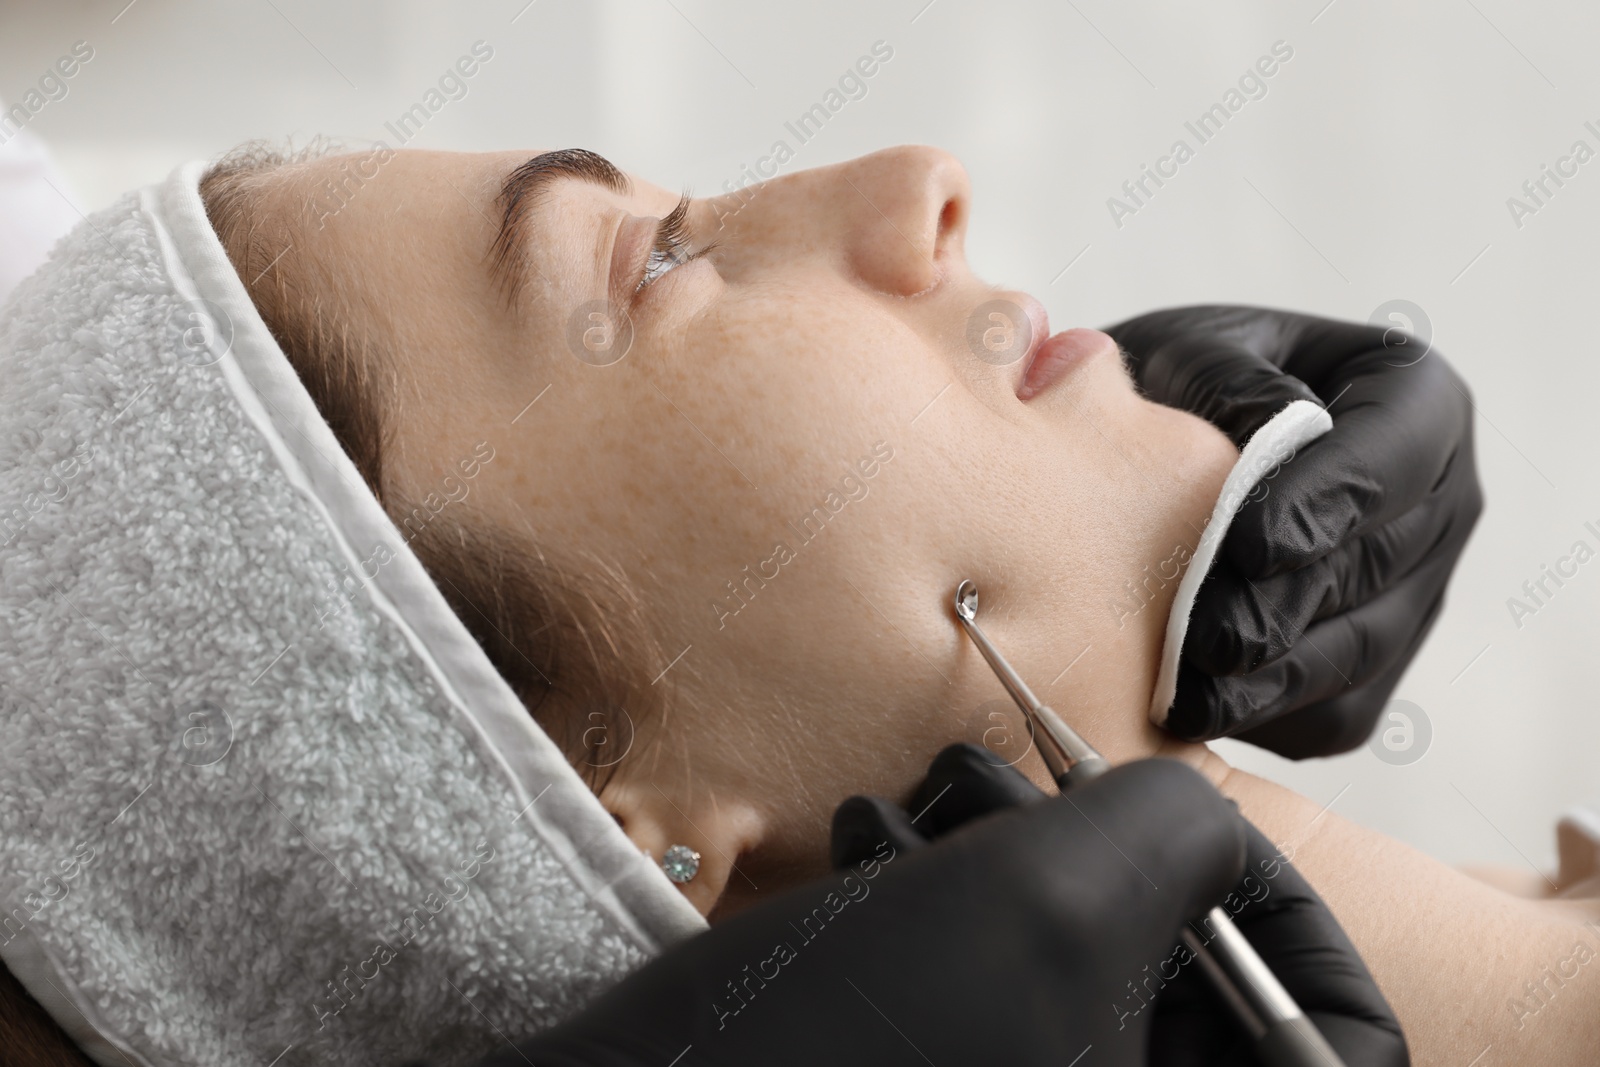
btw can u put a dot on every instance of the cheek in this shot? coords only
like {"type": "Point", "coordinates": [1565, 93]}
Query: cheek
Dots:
{"type": "Point", "coordinates": [730, 460]}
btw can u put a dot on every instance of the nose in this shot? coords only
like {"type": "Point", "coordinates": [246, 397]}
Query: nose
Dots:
{"type": "Point", "coordinates": [902, 215]}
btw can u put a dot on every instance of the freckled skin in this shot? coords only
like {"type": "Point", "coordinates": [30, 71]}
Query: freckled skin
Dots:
{"type": "Point", "coordinates": [830, 316]}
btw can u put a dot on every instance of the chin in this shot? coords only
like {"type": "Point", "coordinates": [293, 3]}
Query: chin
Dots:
{"type": "Point", "coordinates": [1201, 454]}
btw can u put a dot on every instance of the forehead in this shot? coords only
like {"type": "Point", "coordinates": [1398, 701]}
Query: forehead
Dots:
{"type": "Point", "coordinates": [381, 221]}
{"type": "Point", "coordinates": [473, 179]}
{"type": "Point", "coordinates": [368, 196]}
{"type": "Point", "coordinates": [408, 180]}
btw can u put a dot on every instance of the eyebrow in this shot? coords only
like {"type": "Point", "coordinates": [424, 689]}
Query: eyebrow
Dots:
{"type": "Point", "coordinates": [523, 190]}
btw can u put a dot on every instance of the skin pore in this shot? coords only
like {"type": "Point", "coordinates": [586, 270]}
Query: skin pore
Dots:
{"type": "Point", "coordinates": [815, 362]}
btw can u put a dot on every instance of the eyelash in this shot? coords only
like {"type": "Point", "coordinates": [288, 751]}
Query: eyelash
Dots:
{"type": "Point", "coordinates": [671, 246]}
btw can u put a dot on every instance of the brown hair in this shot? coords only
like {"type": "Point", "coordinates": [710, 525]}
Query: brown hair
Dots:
{"type": "Point", "coordinates": [29, 1036]}
{"type": "Point", "coordinates": [568, 634]}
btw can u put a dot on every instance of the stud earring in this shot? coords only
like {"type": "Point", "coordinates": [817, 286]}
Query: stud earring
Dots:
{"type": "Point", "coordinates": [681, 863]}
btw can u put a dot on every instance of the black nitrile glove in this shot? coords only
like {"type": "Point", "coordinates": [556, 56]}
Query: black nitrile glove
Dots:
{"type": "Point", "coordinates": [1327, 584]}
{"type": "Point", "coordinates": [1008, 941]}
{"type": "Point", "coordinates": [1272, 905]}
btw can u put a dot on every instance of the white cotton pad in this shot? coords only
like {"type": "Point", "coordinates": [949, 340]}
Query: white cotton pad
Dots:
{"type": "Point", "coordinates": [1298, 424]}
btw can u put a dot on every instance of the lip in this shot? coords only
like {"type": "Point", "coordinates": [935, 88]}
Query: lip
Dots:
{"type": "Point", "coordinates": [1038, 328]}
{"type": "Point", "coordinates": [1055, 359]}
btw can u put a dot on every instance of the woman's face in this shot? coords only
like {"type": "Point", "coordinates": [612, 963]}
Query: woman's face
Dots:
{"type": "Point", "coordinates": [793, 446]}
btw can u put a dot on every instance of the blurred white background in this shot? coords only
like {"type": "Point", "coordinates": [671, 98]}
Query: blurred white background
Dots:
{"type": "Point", "coordinates": [1376, 167]}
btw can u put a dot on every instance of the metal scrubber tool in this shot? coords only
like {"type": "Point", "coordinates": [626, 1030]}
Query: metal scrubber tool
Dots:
{"type": "Point", "coordinates": [1284, 1036]}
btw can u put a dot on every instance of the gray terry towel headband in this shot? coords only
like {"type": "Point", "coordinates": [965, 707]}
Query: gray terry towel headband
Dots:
{"type": "Point", "coordinates": [265, 800]}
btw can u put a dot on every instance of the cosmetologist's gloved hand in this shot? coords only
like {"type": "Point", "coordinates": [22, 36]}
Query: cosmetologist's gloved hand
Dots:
{"type": "Point", "coordinates": [1006, 942]}
{"type": "Point", "coordinates": [1188, 1026]}
{"type": "Point", "coordinates": [1326, 585]}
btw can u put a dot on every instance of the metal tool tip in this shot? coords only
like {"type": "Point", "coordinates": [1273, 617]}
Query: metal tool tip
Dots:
{"type": "Point", "coordinates": [967, 600]}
